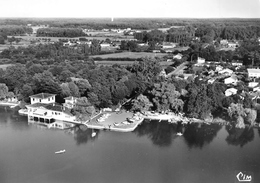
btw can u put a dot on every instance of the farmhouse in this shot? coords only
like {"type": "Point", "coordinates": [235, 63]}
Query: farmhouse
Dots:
{"type": "Point", "coordinates": [226, 72]}
{"type": "Point", "coordinates": [252, 84]}
{"type": "Point", "coordinates": [230, 91]}
{"type": "Point", "coordinates": [253, 73]}
{"type": "Point", "coordinates": [103, 45]}
{"type": "Point", "coordinates": [178, 56]}
{"type": "Point", "coordinates": [200, 60]}
{"type": "Point", "coordinates": [167, 45]}
{"type": "Point", "coordinates": [231, 80]}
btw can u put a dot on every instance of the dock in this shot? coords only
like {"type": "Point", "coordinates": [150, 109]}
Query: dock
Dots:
{"type": "Point", "coordinates": [115, 121]}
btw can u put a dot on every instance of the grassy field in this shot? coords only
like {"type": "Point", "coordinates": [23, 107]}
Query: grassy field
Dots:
{"type": "Point", "coordinates": [132, 55]}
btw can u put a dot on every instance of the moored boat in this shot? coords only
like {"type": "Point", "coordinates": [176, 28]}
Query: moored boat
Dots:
{"type": "Point", "coordinates": [179, 134]}
{"type": "Point", "coordinates": [60, 152]}
{"type": "Point", "coordinates": [23, 112]}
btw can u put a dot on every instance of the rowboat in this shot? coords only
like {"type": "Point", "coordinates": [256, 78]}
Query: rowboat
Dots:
{"type": "Point", "coordinates": [93, 134]}
{"type": "Point", "coordinates": [179, 134]}
{"type": "Point", "coordinates": [60, 152]}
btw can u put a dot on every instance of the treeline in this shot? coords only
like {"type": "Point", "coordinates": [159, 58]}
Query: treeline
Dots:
{"type": "Point", "coordinates": [12, 30]}
{"type": "Point", "coordinates": [235, 32]}
{"type": "Point", "coordinates": [54, 51]}
{"type": "Point", "coordinates": [60, 32]}
{"type": "Point", "coordinates": [182, 35]}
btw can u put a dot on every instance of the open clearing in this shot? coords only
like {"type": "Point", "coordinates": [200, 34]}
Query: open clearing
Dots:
{"type": "Point", "coordinates": [132, 55]}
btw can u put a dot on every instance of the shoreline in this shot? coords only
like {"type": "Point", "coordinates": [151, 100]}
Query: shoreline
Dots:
{"type": "Point", "coordinates": [9, 104]}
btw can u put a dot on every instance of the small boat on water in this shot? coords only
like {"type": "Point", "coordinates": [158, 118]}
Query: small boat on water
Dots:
{"type": "Point", "coordinates": [23, 112]}
{"type": "Point", "coordinates": [60, 152]}
{"type": "Point", "coordinates": [93, 134]}
{"type": "Point", "coordinates": [179, 134]}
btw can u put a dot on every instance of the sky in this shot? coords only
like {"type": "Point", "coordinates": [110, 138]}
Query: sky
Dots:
{"type": "Point", "coordinates": [131, 8]}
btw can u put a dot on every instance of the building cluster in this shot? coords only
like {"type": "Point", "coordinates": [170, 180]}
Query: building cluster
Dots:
{"type": "Point", "coordinates": [44, 110]}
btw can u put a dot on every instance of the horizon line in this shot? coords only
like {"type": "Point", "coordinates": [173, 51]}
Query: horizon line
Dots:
{"type": "Point", "coordinates": [128, 18]}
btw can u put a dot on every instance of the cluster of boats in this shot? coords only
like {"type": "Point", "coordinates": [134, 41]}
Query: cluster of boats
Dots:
{"type": "Point", "coordinates": [103, 117]}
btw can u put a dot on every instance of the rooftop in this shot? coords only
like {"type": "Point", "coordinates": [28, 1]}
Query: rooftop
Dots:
{"type": "Point", "coordinates": [70, 98]}
{"type": "Point", "coordinates": [43, 95]}
{"type": "Point", "coordinates": [256, 71]}
{"type": "Point", "coordinates": [53, 107]}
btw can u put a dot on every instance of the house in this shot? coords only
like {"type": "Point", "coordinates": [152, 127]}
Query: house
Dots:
{"type": "Point", "coordinates": [231, 80]}
{"type": "Point", "coordinates": [45, 111]}
{"type": "Point", "coordinates": [212, 80]}
{"type": "Point", "coordinates": [256, 89]}
{"type": "Point", "coordinates": [230, 91]}
{"type": "Point", "coordinates": [219, 68]}
{"type": "Point", "coordinates": [67, 43]}
{"type": "Point", "coordinates": [252, 84]}
{"type": "Point", "coordinates": [104, 45]}
{"type": "Point", "coordinates": [200, 60]}
{"type": "Point", "coordinates": [237, 63]}
{"type": "Point", "coordinates": [167, 45]}
{"type": "Point", "coordinates": [43, 98]}
{"type": "Point", "coordinates": [223, 42]}
{"type": "Point", "coordinates": [70, 102]}
{"type": "Point", "coordinates": [226, 72]}
{"type": "Point", "coordinates": [253, 73]}
{"type": "Point", "coordinates": [178, 56]}
{"type": "Point", "coordinates": [232, 44]}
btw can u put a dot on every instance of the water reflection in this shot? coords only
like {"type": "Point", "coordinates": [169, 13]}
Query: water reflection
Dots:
{"type": "Point", "coordinates": [82, 134]}
{"type": "Point", "coordinates": [239, 137]}
{"type": "Point", "coordinates": [198, 135]}
{"type": "Point", "coordinates": [12, 118]}
{"type": "Point", "coordinates": [160, 133]}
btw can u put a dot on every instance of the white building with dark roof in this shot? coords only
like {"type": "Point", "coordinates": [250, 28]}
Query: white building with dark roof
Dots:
{"type": "Point", "coordinates": [44, 98]}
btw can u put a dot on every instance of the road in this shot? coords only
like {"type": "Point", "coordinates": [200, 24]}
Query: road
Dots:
{"type": "Point", "coordinates": [178, 70]}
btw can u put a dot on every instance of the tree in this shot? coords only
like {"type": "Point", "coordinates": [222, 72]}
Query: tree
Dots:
{"type": "Point", "coordinates": [2, 40]}
{"type": "Point", "coordinates": [74, 90]}
{"type": "Point", "coordinates": [141, 103]}
{"type": "Point", "coordinates": [15, 77]}
{"type": "Point", "coordinates": [3, 91]}
{"type": "Point", "coordinates": [34, 69]}
{"type": "Point", "coordinates": [237, 112]}
{"type": "Point", "coordinates": [44, 82]}
{"type": "Point", "coordinates": [65, 75]}
{"type": "Point", "coordinates": [165, 97]}
{"type": "Point", "coordinates": [198, 104]}
{"type": "Point", "coordinates": [83, 109]}
{"type": "Point", "coordinates": [83, 86]}
{"type": "Point", "coordinates": [65, 90]}
{"type": "Point", "coordinates": [26, 92]}
{"type": "Point", "coordinates": [254, 55]}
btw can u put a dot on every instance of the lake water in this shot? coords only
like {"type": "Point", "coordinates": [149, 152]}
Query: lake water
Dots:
{"type": "Point", "coordinates": [153, 153]}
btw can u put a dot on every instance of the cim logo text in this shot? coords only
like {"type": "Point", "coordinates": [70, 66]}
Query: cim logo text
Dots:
{"type": "Point", "coordinates": [244, 177]}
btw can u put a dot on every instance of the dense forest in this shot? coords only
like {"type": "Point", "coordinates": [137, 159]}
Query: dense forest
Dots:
{"type": "Point", "coordinates": [60, 32]}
